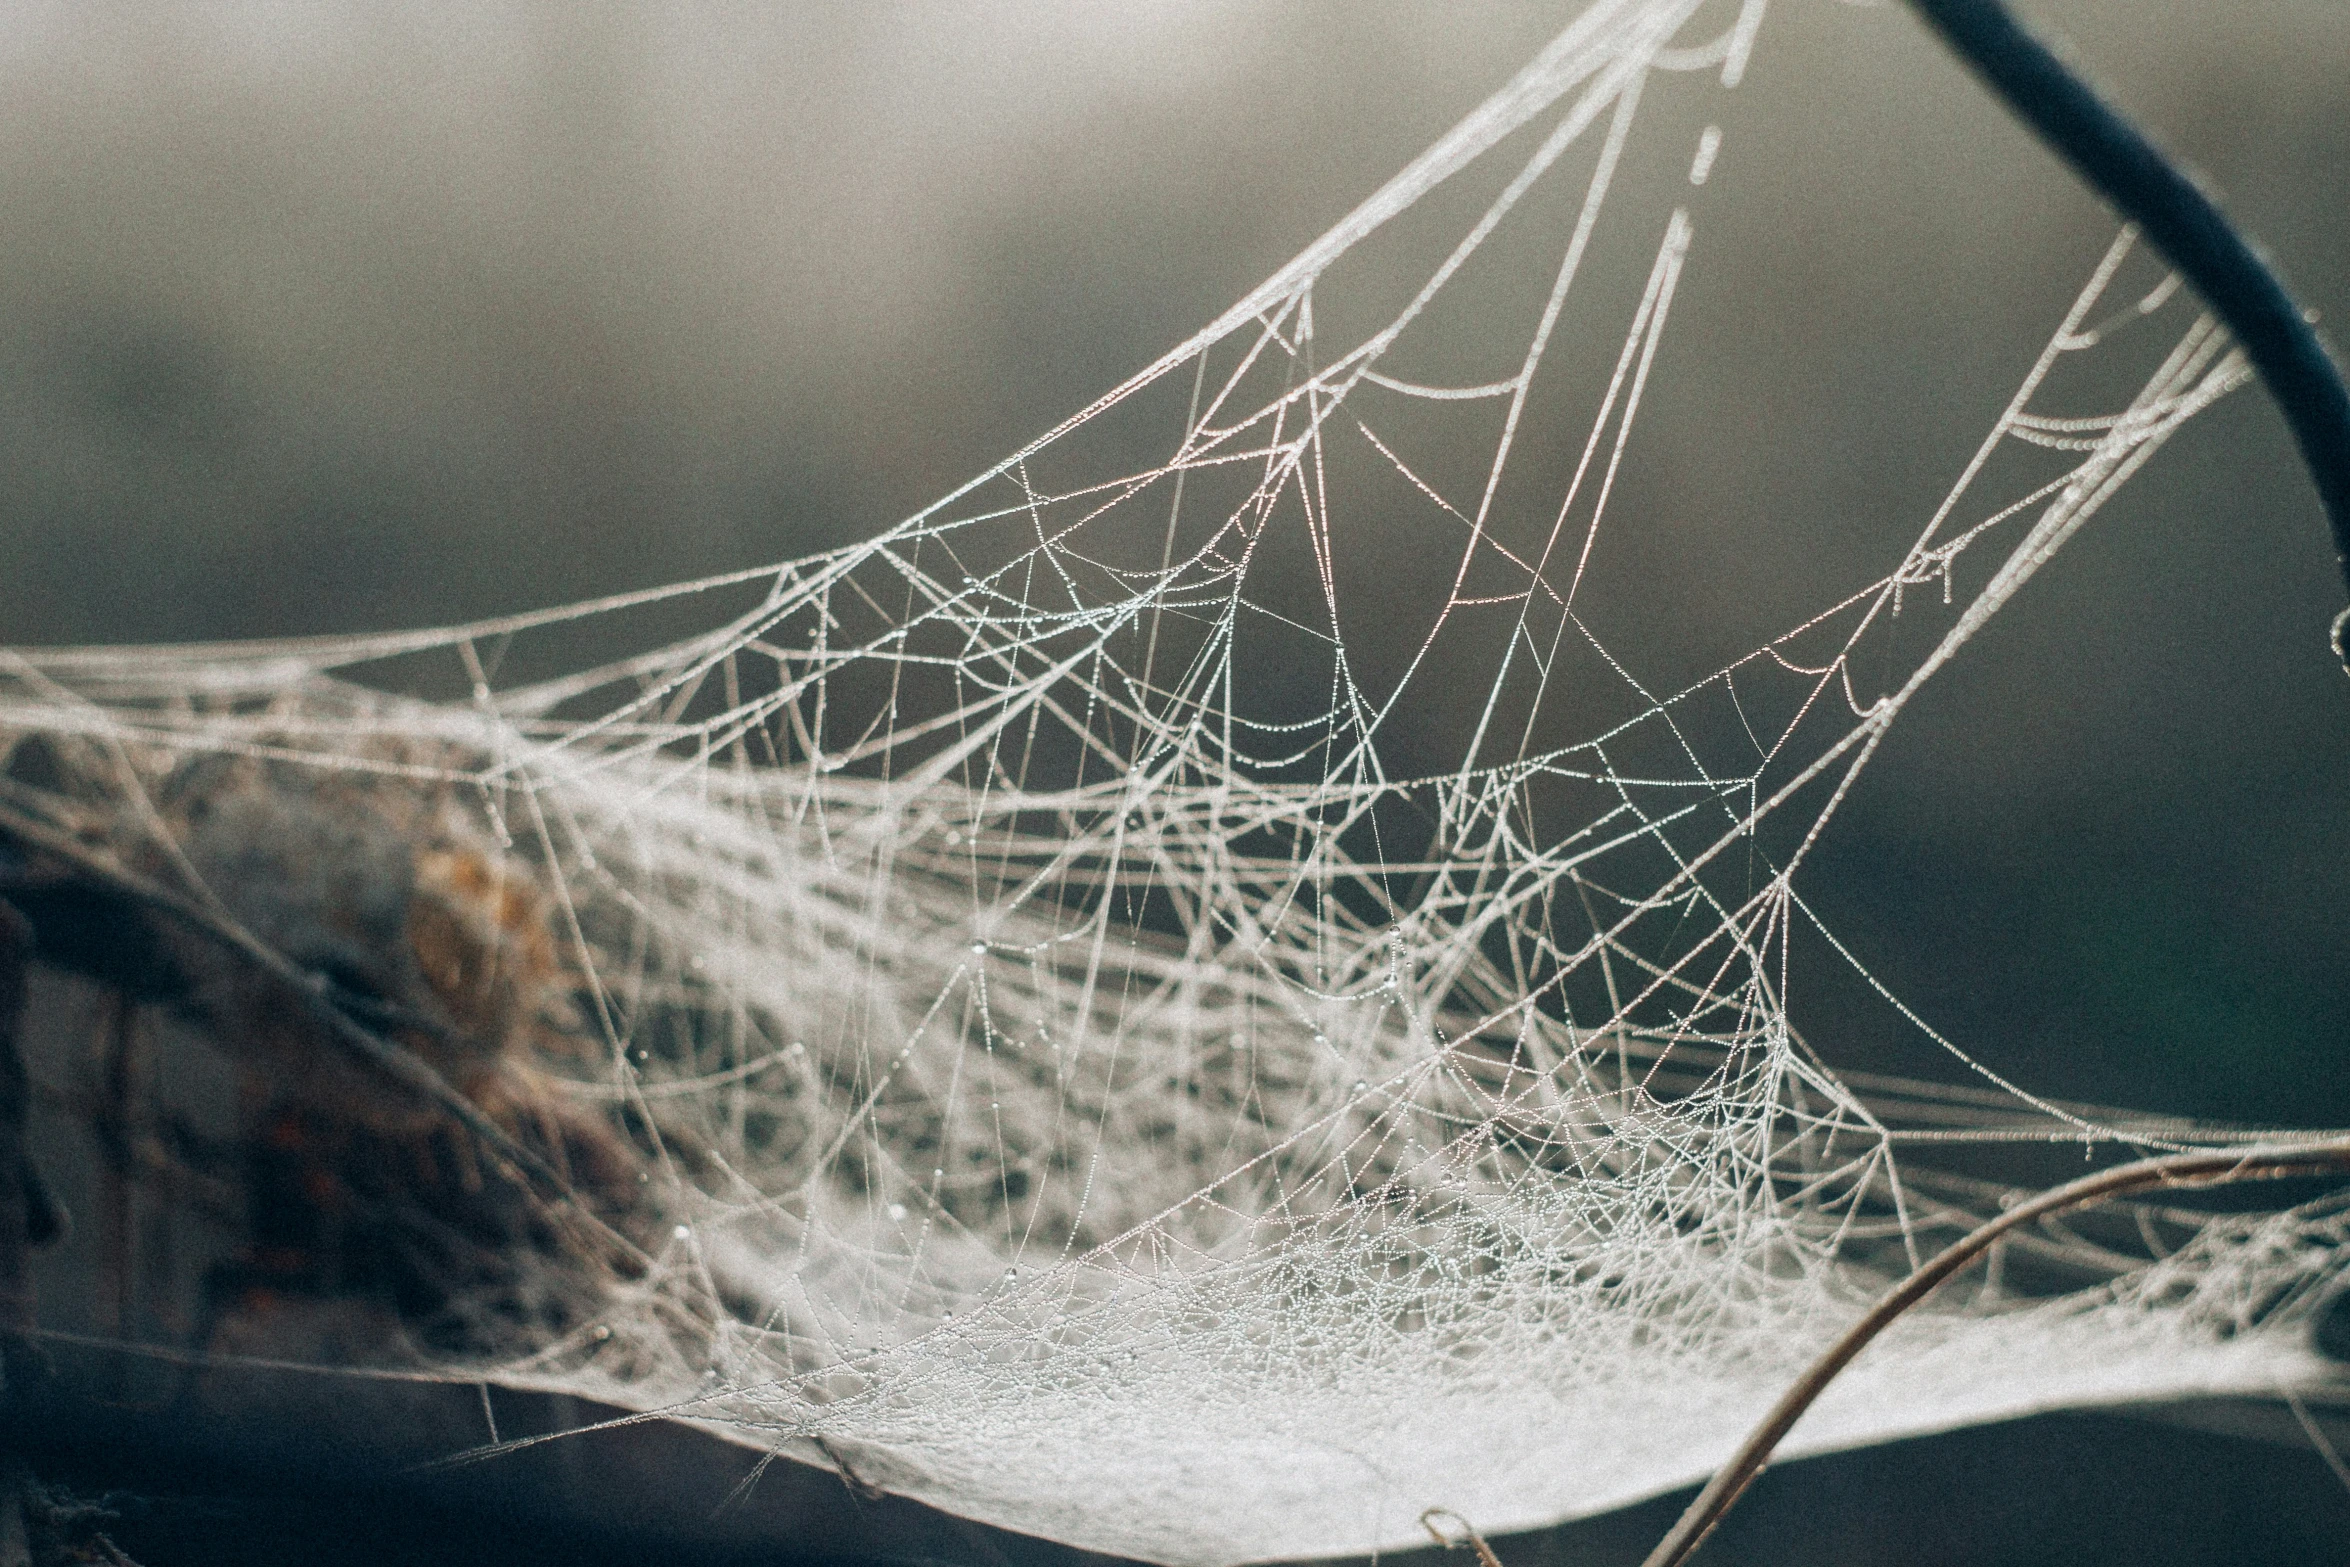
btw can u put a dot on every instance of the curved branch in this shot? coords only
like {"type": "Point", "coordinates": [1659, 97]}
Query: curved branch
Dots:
{"type": "Point", "coordinates": [2187, 226]}
{"type": "Point", "coordinates": [2275, 1162]}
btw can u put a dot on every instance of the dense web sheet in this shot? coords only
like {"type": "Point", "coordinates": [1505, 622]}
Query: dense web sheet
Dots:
{"type": "Point", "coordinates": [1230, 983]}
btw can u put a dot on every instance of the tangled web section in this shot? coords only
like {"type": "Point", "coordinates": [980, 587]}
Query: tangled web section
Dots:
{"type": "Point", "coordinates": [1230, 983]}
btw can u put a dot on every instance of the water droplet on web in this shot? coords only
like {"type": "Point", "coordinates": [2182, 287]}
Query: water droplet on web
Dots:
{"type": "Point", "coordinates": [601, 1333]}
{"type": "Point", "coordinates": [683, 1232]}
{"type": "Point", "coordinates": [897, 1212]}
{"type": "Point", "coordinates": [1362, 1087]}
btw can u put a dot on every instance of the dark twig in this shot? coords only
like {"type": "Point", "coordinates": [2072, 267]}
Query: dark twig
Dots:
{"type": "Point", "coordinates": [2223, 1168]}
{"type": "Point", "coordinates": [2187, 226]}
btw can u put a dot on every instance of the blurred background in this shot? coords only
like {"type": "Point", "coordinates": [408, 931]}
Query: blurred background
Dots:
{"type": "Point", "coordinates": [329, 320]}
{"type": "Point", "coordinates": [318, 321]}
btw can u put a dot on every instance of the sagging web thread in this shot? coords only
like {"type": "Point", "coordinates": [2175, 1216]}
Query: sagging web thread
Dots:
{"type": "Point", "coordinates": [1030, 970]}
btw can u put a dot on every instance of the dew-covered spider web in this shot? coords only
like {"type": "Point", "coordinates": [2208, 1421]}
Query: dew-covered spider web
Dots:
{"type": "Point", "coordinates": [1229, 983]}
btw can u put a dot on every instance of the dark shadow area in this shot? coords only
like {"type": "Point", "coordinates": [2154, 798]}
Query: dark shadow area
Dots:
{"type": "Point", "coordinates": [2084, 1489]}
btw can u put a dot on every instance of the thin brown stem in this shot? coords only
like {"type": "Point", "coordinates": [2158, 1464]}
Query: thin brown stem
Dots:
{"type": "Point", "coordinates": [2225, 1168]}
{"type": "Point", "coordinates": [1469, 1535]}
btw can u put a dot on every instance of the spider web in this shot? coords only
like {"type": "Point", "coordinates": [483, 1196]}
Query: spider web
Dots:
{"type": "Point", "coordinates": [1232, 981]}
